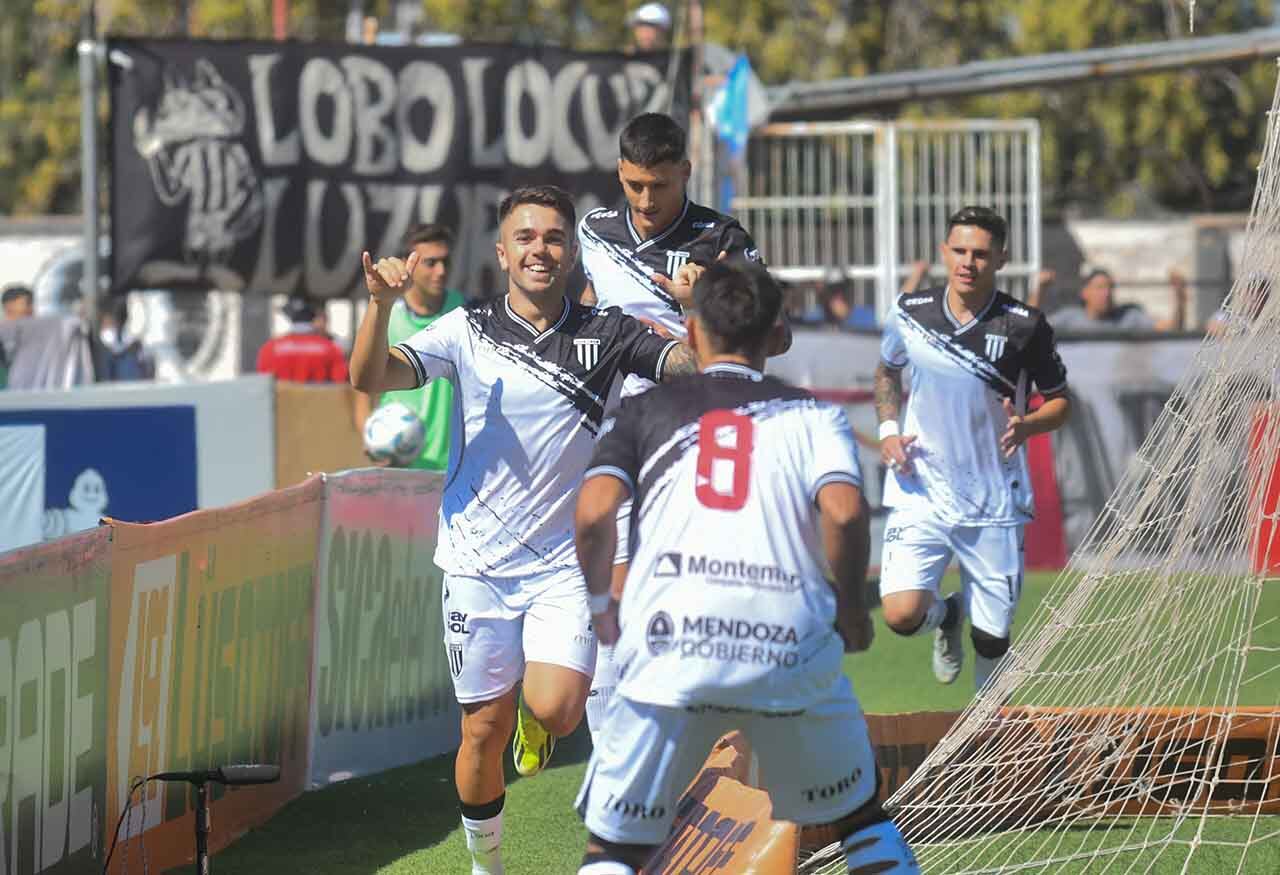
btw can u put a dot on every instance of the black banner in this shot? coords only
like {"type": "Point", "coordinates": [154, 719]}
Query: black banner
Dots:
{"type": "Point", "coordinates": [268, 167]}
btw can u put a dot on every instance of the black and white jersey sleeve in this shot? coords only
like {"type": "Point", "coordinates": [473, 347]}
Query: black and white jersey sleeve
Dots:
{"type": "Point", "coordinates": [1044, 365]}
{"type": "Point", "coordinates": [433, 351]}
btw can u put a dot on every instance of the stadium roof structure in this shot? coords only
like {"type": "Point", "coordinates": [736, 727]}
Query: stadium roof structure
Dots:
{"type": "Point", "coordinates": [835, 98]}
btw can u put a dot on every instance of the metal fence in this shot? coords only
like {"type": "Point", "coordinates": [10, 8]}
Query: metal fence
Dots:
{"type": "Point", "coordinates": [860, 203]}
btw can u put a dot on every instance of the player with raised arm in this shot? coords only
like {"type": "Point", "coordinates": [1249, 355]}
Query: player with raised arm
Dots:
{"type": "Point", "coordinates": [533, 373]}
{"type": "Point", "coordinates": [958, 483]}
{"type": "Point", "coordinates": [747, 497]}
{"type": "Point", "coordinates": [644, 256]}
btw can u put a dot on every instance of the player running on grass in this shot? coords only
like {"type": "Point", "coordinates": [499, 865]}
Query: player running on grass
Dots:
{"type": "Point", "coordinates": [746, 496]}
{"type": "Point", "coordinates": [533, 373]}
{"type": "Point", "coordinates": [958, 483]}
{"type": "Point", "coordinates": [644, 256]}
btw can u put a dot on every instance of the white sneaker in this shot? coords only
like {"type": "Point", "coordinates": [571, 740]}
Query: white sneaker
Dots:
{"type": "Point", "coordinates": [948, 648]}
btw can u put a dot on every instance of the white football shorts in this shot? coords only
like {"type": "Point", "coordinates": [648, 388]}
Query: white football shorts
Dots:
{"type": "Point", "coordinates": [817, 764]}
{"type": "Point", "coordinates": [918, 549]}
{"type": "Point", "coordinates": [493, 626]}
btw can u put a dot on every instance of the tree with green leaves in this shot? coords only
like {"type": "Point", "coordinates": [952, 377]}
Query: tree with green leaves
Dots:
{"type": "Point", "coordinates": [1185, 140]}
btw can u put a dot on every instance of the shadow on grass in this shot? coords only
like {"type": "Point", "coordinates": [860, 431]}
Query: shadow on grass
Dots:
{"type": "Point", "coordinates": [363, 824]}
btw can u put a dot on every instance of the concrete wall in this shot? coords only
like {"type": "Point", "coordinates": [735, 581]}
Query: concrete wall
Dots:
{"type": "Point", "coordinates": [1141, 253]}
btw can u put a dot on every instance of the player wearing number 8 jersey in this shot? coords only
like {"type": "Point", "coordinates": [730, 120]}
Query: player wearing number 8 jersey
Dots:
{"type": "Point", "coordinates": [746, 495]}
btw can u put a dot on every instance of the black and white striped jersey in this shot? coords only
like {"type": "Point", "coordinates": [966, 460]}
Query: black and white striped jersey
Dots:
{"type": "Point", "coordinates": [620, 264]}
{"type": "Point", "coordinates": [960, 375]}
{"type": "Point", "coordinates": [727, 601]}
{"type": "Point", "coordinates": [528, 407]}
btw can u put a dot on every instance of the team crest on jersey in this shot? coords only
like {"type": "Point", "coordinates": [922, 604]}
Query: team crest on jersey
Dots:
{"type": "Point", "coordinates": [661, 633]}
{"type": "Point", "coordinates": [455, 659]}
{"type": "Point", "coordinates": [995, 346]}
{"type": "Point", "coordinates": [676, 259]}
{"type": "Point", "coordinates": [588, 350]}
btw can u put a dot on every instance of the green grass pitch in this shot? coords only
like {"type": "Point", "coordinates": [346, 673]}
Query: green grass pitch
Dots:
{"type": "Point", "coordinates": [405, 822]}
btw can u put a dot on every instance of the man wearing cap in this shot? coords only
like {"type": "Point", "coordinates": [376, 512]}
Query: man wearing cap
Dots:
{"type": "Point", "coordinates": [650, 28]}
{"type": "Point", "coordinates": [303, 354]}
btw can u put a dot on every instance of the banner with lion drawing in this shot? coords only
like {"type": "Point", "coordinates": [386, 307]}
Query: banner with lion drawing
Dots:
{"type": "Point", "coordinates": [268, 167]}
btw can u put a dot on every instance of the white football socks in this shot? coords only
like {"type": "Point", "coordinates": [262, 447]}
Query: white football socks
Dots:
{"type": "Point", "coordinates": [606, 867]}
{"type": "Point", "coordinates": [484, 841]}
{"type": "Point", "coordinates": [933, 617]}
{"type": "Point", "coordinates": [603, 685]}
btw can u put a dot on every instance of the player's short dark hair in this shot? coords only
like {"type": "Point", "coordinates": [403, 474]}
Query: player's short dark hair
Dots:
{"type": "Point", "coordinates": [982, 217]}
{"type": "Point", "coordinates": [430, 232]}
{"type": "Point", "coordinates": [738, 303]}
{"type": "Point", "coordinates": [541, 195]}
{"type": "Point", "coordinates": [651, 139]}
{"type": "Point", "coordinates": [1097, 272]}
{"type": "Point", "coordinates": [14, 292]}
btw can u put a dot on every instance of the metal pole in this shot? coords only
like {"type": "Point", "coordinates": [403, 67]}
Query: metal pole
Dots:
{"type": "Point", "coordinates": [88, 51]}
{"type": "Point", "coordinates": [202, 829]}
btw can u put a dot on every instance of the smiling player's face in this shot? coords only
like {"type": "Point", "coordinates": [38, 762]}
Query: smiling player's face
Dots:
{"type": "Point", "coordinates": [536, 248]}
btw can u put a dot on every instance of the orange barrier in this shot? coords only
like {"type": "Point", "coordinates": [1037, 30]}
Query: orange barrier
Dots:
{"type": "Point", "coordinates": [724, 825]}
{"type": "Point", "coordinates": [1137, 762]}
{"type": "Point", "coordinates": [53, 703]}
{"type": "Point", "coordinates": [315, 431]}
{"type": "Point", "coordinates": [210, 656]}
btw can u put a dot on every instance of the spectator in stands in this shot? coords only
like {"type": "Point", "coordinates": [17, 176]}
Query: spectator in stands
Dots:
{"type": "Point", "coordinates": [1245, 305]}
{"type": "Point", "coordinates": [1098, 311]}
{"type": "Point", "coordinates": [18, 302]}
{"type": "Point", "coordinates": [303, 355]}
{"type": "Point", "coordinates": [650, 28]}
{"type": "Point", "coordinates": [425, 301]}
{"type": "Point", "coordinates": [117, 356]}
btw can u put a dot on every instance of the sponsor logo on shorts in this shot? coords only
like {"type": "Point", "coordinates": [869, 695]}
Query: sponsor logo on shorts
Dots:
{"type": "Point", "coordinates": [893, 534]}
{"type": "Point", "coordinates": [668, 565]}
{"type": "Point", "coordinates": [455, 659]}
{"type": "Point", "coordinates": [831, 791]}
{"type": "Point", "coordinates": [634, 810]}
{"type": "Point", "coordinates": [585, 638]}
{"type": "Point", "coordinates": [739, 572]}
{"type": "Point", "coordinates": [458, 623]}
{"type": "Point", "coordinates": [707, 842]}
{"type": "Point", "coordinates": [660, 633]}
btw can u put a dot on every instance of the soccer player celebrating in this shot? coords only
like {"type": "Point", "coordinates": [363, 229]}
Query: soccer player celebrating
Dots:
{"type": "Point", "coordinates": [532, 373]}
{"type": "Point", "coordinates": [746, 493]}
{"type": "Point", "coordinates": [644, 256]}
{"type": "Point", "coordinates": [958, 483]}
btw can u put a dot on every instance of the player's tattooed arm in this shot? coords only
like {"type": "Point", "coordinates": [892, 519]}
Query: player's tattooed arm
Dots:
{"type": "Point", "coordinates": [894, 447]}
{"type": "Point", "coordinates": [888, 389]}
{"type": "Point", "coordinates": [680, 362]}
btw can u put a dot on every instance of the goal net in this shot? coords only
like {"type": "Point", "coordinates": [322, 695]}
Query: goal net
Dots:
{"type": "Point", "coordinates": [1133, 727]}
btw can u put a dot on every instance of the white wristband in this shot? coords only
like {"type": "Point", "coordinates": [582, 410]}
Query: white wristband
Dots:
{"type": "Point", "coordinates": [889, 428]}
{"type": "Point", "coordinates": [599, 603]}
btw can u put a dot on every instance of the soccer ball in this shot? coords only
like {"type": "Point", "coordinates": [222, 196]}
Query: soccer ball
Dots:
{"type": "Point", "coordinates": [394, 434]}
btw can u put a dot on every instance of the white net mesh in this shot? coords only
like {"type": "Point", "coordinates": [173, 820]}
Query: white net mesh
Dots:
{"type": "Point", "coordinates": [1134, 725]}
